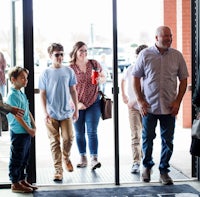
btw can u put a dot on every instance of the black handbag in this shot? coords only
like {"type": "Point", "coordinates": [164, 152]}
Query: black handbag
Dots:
{"type": "Point", "coordinates": [196, 128]}
{"type": "Point", "coordinates": [106, 106]}
{"type": "Point", "coordinates": [195, 147]}
{"type": "Point", "coordinates": [4, 122]}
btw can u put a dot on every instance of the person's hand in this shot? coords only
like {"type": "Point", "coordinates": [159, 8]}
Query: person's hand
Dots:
{"type": "Point", "coordinates": [81, 106]}
{"type": "Point", "coordinates": [198, 115]}
{"type": "Point", "coordinates": [175, 108]}
{"type": "Point", "coordinates": [101, 78]}
{"type": "Point", "coordinates": [32, 132]}
{"type": "Point", "coordinates": [75, 116]}
{"type": "Point", "coordinates": [125, 99]}
{"type": "Point", "coordinates": [143, 106]}
{"type": "Point", "coordinates": [47, 118]}
{"type": "Point", "coordinates": [17, 111]}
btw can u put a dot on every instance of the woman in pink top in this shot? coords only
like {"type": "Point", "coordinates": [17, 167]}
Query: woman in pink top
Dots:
{"type": "Point", "coordinates": [2, 74]}
{"type": "Point", "coordinates": [88, 103]}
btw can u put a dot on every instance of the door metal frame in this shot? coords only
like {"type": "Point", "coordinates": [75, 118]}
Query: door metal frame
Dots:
{"type": "Point", "coordinates": [29, 64]}
{"type": "Point", "coordinates": [27, 16]}
{"type": "Point", "coordinates": [195, 13]}
{"type": "Point", "coordinates": [115, 92]}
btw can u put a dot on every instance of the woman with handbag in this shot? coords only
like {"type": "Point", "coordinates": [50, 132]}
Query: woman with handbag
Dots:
{"type": "Point", "coordinates": [88, 103]}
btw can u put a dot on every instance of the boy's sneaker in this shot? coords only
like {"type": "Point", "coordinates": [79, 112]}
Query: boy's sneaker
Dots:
{"type": "Point", "coordinates": [135, 168]}
{"type": "Point", "coordinates": [58, 176]}
{"type": "Point", "coordinates": [19, 188]}
{"type": "Point", "coordinates": [27, 184]}
{"type": "Point", "coordinates": [69, 166]}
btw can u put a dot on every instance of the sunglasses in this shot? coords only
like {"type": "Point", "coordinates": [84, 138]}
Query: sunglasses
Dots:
{"type": "Point", "coordinates": [58, 54]}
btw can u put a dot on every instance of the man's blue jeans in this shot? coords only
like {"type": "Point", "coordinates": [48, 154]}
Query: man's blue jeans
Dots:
{"type": "Point", "coordinates": [88, 120]}
{"type": "Point", "coordinates": [167, 126]}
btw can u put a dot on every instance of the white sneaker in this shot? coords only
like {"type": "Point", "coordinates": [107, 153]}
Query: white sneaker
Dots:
{"type": "Point", "coordinates": [135, 168]}
{"type": "Point", "coordinates": [95, 164]}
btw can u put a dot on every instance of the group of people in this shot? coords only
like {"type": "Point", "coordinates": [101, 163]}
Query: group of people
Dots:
{"type": "Point", "coordinates": [78, 103]}
{"type": "Point", "coordinates": [69, 98]}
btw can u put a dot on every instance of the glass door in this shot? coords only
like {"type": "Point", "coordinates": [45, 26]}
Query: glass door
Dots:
{"type": "Point", "coordinates": [11, 39]}
{"type": "Point", "coordinates": [67, 22]}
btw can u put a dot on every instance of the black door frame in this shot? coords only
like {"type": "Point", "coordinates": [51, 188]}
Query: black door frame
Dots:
{"type": "Point", "coordinates": [27, 16]}
{"type": "Point", "coordinates": [195, 21]}
{"type": "Point", "coordinates": [29, 64]}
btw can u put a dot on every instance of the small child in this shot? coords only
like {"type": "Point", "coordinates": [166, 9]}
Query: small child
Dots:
{"type": "Point", "coordinates": [21, 131]}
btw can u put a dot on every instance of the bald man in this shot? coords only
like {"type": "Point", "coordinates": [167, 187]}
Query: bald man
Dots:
{"type": "Point", "coordinates": [160, 66]}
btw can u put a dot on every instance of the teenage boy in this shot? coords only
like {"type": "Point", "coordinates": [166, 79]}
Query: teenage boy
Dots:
{"type": "Point", "coordinates": [57, 89]}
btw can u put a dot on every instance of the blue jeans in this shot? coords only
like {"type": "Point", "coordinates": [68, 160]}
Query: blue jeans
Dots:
{"type": "Point", "coordinates": [19, 156]}
{"type": "Point", "coordinates": [88, 120]}
{"type": "Point", "coordinates": [167, 126]}
{"type": "Point", "coordinates": [2, 90]}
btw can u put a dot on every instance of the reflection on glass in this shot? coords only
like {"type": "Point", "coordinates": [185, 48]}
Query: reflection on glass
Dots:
{"type": "Point", "coordinates": [11, 45]}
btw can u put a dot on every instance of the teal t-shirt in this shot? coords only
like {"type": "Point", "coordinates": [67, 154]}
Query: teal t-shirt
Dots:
{"type": "Point", "coordinates": [18, 99]}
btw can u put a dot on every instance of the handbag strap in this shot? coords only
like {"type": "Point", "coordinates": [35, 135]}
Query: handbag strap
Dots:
{"type": "Point", "coordinates": [103, 95]}
{"type": "Point", "coordinates": [93, 66]}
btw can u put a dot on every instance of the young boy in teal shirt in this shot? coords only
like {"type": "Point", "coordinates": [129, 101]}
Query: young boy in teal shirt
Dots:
{"type": "Point", "coordinates": [21, 131]}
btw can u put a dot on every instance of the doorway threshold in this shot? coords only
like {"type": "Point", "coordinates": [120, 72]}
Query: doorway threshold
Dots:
{"type": "Point", "coordinates": [103, 175]}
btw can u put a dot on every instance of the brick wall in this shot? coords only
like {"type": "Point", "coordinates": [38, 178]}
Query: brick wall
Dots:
{"type": "Point", "coordinates": [186, 42]}
{"type": "Point", "coordinates": [177, 16]}
{"type": "Point", "coordinates": [170, 18]}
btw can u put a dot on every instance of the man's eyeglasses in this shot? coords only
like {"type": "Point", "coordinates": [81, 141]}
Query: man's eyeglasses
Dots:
{"type": "Point", "coordinates": [58, 54]}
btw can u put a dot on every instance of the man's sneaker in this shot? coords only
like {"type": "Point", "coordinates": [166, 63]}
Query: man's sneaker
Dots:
{"type": "Point", "coordinates": [19, 188]}
{"type": "Point", "coordinates": [83, 162]}
{"type": "Point", "coordinates": [135, 168]}
{"type": "Point", "coordinates": [165, 179]}
{"type": "Point", "coordinates": [95, 164]}
{"type": "Point", "coordinates": [146, 175]}
{"type": "Point", "coordinates": [58, 176]}
{"type": "Point", "coordinates": [69, 166]}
